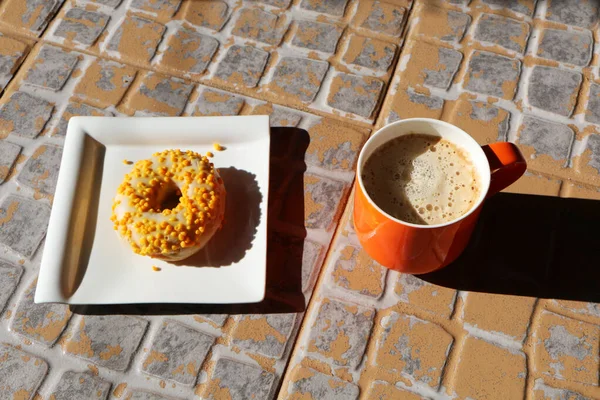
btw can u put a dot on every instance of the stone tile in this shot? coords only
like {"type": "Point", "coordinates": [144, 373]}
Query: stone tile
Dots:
{"type": "Point", "coordinates": [317, 36]}
{"type": "Point", "coordinates": [12, 53]}
{"type": "Point", "coordinates": [10, 275]}
{"type": "Point", "coordinates": [321, 199]}
{"type": "Point", "coordinates": [276, 3]}
{"type": "Point", "coordinates": [407, 103]}
{"type": "Point", "coordinates": [12, 115]}
{"type": "Point", "coordinates": [264, 334]}
{"type": "Point", "coordinates": [567, 349]}
{"type": "Point", "coordinates": [574, 190]}
{"type": "Point", "coordinates": [160, 8]}
{"type": "Point", "coordinates": [177, 352]}
{"type": "Point", "coordinates": [105, 82]}
{"type": "Point", "coordinates": [80, 385]}
{"type": "Point", "coordinates": [31, 15]}
{"type": "Point", "coordinates": [379, 390]}
{"type": "Point", "coordinates": [81, 26]}
{"type": "Point", "coordinates": [356, 272]}
{"type": "Point", "coordinates": [8, 156]}
{"type": "Point", "coordinates": [74, 109]}
{"type": "Point", "coordinates": [487, 371]}
{"type": "Point", "coordinates": [546, 138]}
{"type": "Point", "coordinates": [188, 52]}
{"type": "Point", "coordinates": [144, 395]}
{"type": "Point", "coordinates": [414, 347]}
{"type": "Point", "coordinates": [341, 331]}
{"type": "Point", "coordinates": [381, 17]}
{"type": "Point", "coordinates": [519, 6]}
{"type": "Point", "coordinates": [242, 65]}
{"type": "Point", "coordinates": [506, 32]}
{"type": "Point", "coordinates": [355, 94]}
{"type": "Point", "coordinates": [108, 3]}
{"type": "Point", "coordinates": [235, 380]}
{"type": "Point", "coordinates": [582, 13]}
{"type": "Point", "coordinates": [23, 224]}
{"type": "Point", "coordinates": [445, 25]}
{"type": "Point", "coordinates": [213, 102]}
{"type": "Point", "coordinates": [492, 74]}
{"type": "Point", "coordinates": [107, 341]}
{"type": "Point", "coordinates": [571, 47]}
{"type": "Point", "coordinates": [579, 307]}
{"type": "Point", "coordinates": [136, 39]}
{"type": "Point", "coordinates": [298, 78]}
{"type": "Point", "coordinates": [260, 25]}
{"type": "Point", "coordinates": [306, 383]}
{"type": "Point", "coordinates": [333, 145]}
{"type": "Point", "coordinates": [51, 68]}
{"type": "Point", "coordinates": [535, 184]}
{"type": "Point", "coordinates": [431, 65]}
{"type": "Point", "coordinates": [503, 314]}
{"type": "Point", "coordinates": [422, 294]}
{"type": "Point", "coordinates": [370, 53]}
{"type": "Point", "coordinates": [282, 117]}
{"type": "Point", "coordinates": [544, 392]}
{"type": "Point", "coordinates": [591, 157]}
{"type": "Point", "coordinates": [160, 94]}
{"type": "Point", "coordinates": [553, 89]}
{"type": "Point", "coordinates": [208, 14]}
{"type": "Point", "coordinates": [20, 373]}
{"type": "Point", "coordinates": [42, 323]}
{"type": "Point", "coordinates": [40, 172]}
{"type": "Point", "coordinates": [485, 122]}
{"type": "Point", "coordinates": [331, 7]}
{"type": "Point", "coordinates": [216, 319]}
{"type": "Point", "coordinates": [592, 113]}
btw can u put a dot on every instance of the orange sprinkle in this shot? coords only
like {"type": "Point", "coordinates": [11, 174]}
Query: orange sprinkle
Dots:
{"type": "Point", "coordinates": [218, 147]}
{"type": "Point", "coordinates": [155, 268]}
{"type": "Point", "coordinates": [127, 162]}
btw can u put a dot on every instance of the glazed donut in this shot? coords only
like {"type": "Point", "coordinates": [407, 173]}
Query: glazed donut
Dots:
{"type": "Point", "coordinates": [169, 206]}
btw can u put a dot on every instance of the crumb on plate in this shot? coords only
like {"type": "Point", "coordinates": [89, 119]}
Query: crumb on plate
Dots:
{"type": "Point", "coordinates": [218, 147]}
{"type": "Point", "coordinates": [127, 162]}
{"type": "Point", "coordinates": [155, 268]}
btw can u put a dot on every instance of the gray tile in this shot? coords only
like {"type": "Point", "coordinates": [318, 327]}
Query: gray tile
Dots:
{"type": "Point", "coordinates": [489, 72]}
{"type": "Point", "coordinates": [108, 341]}
{"type": "Point", "coordinates": [80, 385]}
{"type": "Point", "coordinates": [241, 381]}
{"type": "Point", "coordinates": [276, 3]}
{"type": "Point", "coordinates": [192, 52]}
{"type": "Point", "coordinates": [217, 319]}
{"type": "Point", "coordinates": [519, 6]}
{"type": "Point", "coordinates": [374, 54]}
{"type": "Point", "coordinates": [546, 137]}
{"type": "Point", "coordinates": [458, 22]}
{"type": "Point", "coordinates": [579, 13]}
{"type": "Point", "coordinates": [336, 319]}
{"type": "Point", "coordinates": [214, 102]}
{"type": "Point", "coordinates": [593, 107]}
{"type": "Point", "coordinates": [260, 25]}
{"type": "Point", "coordinates": [77, 109]}
{"type": "Point", "coordinates": [42, 323]}
{"type": "Point", "coordinates": [572, 47]}
{"type": "Point", "coordinates": [306, 381]}
{"type": "Point", "coordinates": [164, 7]}
{"type": "Point", "coordinates": [242, 65]}
{"type": "Point", "coordinates": [275, 331]}
{"type": "Point", "coordinates": [449, 61]}
{"type": "Point", "coordinates": [109, 3]}
{"type": "Point", "coordinates": [355, 94]}
{"type": "Point", "coordinates": [144, 395]}
{"type": "Point", "coordinates": [317, 36]}
{"type": "Point", "coordinates": [23, 224]}
{"type": "Point", "coordinates": [385, 18]}
{"type": "Point", "coordinates": [554, 89]}
{"type": "Point", "coordinates": [20, 104]}
{"type": "Point", "coordinates": [331, 7]}
{"type": "Point", "coordinates": [10, 275]}
{"type": "Point", "coordinates": [40, 172]}
{"type": "Point", "coordinates": [593, 145]}
{"type": "Point", "coordinates": [299, 77]}
{"type": "Point", "coordinates": [8, 155]}
{"type": "Point", "coordinates": [52, 68]}
{"type": "Point", "coordinates": [136, 38]}
{"type": "Point", "coordinates": [82, 26]}
{"type": "Point", "coordinates": [38, 13]}
{"type": "Point", "coordinates": [430, 101]}
{"type": "Point", "coordinates": [20, 373]}
{"type": "Point", "coordinates": [166, 92]}
{"type": "Point", "coordinates": [281, 117]}
{"type": "Point", "coordinates": [505, 32]}
{"type": "Point", "coordinates": [177, 353]}
{"type": "Point", "coordinates": [12, 53]}
{"type": "Point", "coordinates": [325, 192]}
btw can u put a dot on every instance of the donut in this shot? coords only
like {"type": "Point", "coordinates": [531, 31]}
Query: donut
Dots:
{"type": "Point", "coordinates": [169, 206]}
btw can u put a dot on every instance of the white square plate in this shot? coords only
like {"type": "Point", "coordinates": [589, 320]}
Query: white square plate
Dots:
{"type": "Point", "coordinates": [85, 261]}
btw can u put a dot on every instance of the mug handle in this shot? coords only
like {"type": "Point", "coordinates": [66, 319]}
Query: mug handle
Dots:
{"type": "Point", "coordinates": [507, 165]}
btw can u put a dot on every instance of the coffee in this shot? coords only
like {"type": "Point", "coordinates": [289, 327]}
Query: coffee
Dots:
{"type": "Point", "coordinates": [421, 179]}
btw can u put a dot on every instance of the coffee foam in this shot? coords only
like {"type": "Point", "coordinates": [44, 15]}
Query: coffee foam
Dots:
{"type": "Point", "coordinates": [421, 179]}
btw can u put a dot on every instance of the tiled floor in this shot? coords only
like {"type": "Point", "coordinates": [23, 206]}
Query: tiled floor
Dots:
{"type": "Point", "coordinates": [520, 70]}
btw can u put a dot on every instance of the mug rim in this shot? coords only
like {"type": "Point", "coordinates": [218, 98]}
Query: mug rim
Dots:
{"type": "Point", "coordinates": [431, 121]}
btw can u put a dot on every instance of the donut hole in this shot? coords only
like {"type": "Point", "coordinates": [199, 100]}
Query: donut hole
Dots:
{"type": "Point", "coordinates": [168, 197]}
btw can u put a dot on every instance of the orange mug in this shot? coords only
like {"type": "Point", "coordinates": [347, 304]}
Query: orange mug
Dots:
{"type": "Point", "coordinates": [418, 249]}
